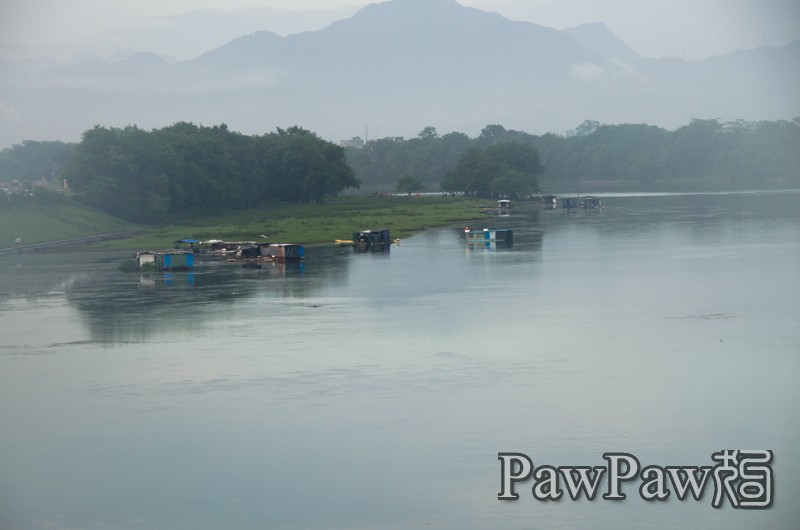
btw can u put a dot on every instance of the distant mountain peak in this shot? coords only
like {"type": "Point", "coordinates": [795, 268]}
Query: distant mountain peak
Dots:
{"type": "Point", "coordinates": [597, 37]}
{"type": "Point", "coordinates": [402, 64]}
{"type": "Point", "coordinates": [418, 23]}
{"type": "Point", "coordinates": [419, 4]}
{"type": "Point", "coordinates": [144, 58]}
{"type": "Point", "coordinates": [246, 47]}
{"type": "Point", "coordinates": [419, 9]}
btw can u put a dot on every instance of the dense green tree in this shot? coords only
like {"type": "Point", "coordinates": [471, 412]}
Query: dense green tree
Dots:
{"type": "Point", "coordinates": [694, 147]}
{"type": "Point", "coordinates": [309, 168]}
{"type": "Point", "coordinates": [121, 171]}
{"type": "Point", "coordinates": [767, 150]}
{"type": "Point", "coordinates": [427, 157]}
{"type": "Point", "coordinates": [32, 160]}
{"type": "Point", "coordinates": [141, 175]}
{"type": "Point", "coordinates": [470, 174]}
{"type": "Point", "coordinates": [210, 167]}
{"type": "Point", "coordinates": [408, 184]}
{"type": "Point", "coordinates": [503, 169]}
{"type": "Point", "coordinates": [587, 127]}
{"type": "Point", "coordinates": [497, 134]}
{"type": "Point", "coordinates": [429, 134]}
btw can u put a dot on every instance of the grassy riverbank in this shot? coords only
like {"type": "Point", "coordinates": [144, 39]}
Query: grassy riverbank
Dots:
{"type": "Point", "coordinates": [311, 224]}
{"type": "Point", "coordinates": [307, 224]}
{"type": "Point", "coordinates": [39, 223]}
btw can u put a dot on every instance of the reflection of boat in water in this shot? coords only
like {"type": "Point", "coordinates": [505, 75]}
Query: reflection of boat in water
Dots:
{"type": "Point", "coordinates": [167, 279]}
{"type": "Point", "coordinates": [271, 268]}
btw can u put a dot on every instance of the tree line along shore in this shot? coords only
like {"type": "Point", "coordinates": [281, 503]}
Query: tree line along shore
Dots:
{"type": "Point", "coordinates": [217, 181]}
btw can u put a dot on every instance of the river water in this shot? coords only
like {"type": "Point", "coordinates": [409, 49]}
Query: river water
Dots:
{"type": "Point", "coordinates": [376, 390]}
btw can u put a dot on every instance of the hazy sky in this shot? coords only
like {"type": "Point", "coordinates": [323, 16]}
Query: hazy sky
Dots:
{"type": "Point", "coordinates": [692, 29]}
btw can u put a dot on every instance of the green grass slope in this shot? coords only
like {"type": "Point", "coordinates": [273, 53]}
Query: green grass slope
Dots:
{"type": "Point", "coordinates": [307, 224]}
{"type": "Point", "coordinates": [40, 223]}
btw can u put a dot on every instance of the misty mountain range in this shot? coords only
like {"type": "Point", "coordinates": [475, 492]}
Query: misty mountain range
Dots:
{"type": "Point", "coordinates": [400, 66]}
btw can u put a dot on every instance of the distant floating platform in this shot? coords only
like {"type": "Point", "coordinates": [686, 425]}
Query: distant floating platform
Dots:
{"type": "Point", "coordinates": [488, 235]}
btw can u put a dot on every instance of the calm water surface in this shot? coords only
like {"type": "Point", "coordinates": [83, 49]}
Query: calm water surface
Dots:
{"type": "Point", "coordinates": [375, 391]}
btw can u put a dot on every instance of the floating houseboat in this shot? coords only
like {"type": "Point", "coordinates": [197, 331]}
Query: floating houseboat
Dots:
{"type": "Point", "coordinates": [549, 202]}
{"type": "Point", "coordinates": [180, 260]}
{"type": "Point", "coordinates": [169, 260]}
{"type": "Point", "coordinates": [252, 251]}
{"type": "Point", "coordinates": [379, 240]}
{"type": "Point", "coordinates": [503, 205]}
{"type": "Point", "coordinates": [569, 202]}
{"type": "Point", "coordinates": [488, 235]}
{"type": "Point", "coordinates": [224, 248]}
{"type": "Point", "coordinates": [190, 243]}
{"type": "Point", "coordinates": [283, 252]}
{"type": "Point", "coordinates": [590, 202]}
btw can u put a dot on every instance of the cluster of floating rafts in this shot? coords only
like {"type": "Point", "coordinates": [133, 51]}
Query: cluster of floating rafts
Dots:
{"type": "Point", "coordinates": [182, 257]}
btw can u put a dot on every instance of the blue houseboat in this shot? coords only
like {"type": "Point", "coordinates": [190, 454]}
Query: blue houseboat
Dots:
{"type": "Point", "coordinates": [488, 235]}
{"type": "Point", "coordinates": [169, 260]}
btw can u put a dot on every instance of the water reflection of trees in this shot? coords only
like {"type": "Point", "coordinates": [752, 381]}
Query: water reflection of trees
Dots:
{"type": "Point", "coordinates": [131, 307]}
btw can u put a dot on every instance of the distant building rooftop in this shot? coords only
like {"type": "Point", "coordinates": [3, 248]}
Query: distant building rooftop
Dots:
{"type": "Point", "coordinates": [355, 141]}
